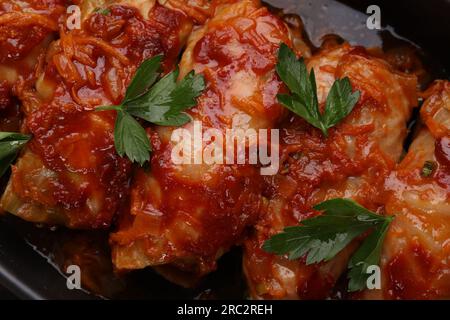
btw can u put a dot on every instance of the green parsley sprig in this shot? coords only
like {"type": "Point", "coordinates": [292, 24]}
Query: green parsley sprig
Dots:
{"type": "Point", "coordinates": [10, 145]}
{"type": "Point", "coordinates": [429, 167]}
{"type": "Point", "coordinates": [303, 100]}
{"type": "Point", "coordinates": [321, 238]}
{"type": "Point", "coordinates": [104, 11]}
{"type": "Point", "coordinates": [160, 102]}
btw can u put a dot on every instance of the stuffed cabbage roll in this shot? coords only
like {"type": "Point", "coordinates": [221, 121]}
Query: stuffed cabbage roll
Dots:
{"type": "Point", "coordinates": [415, 261]}
{"type": "Point", "coordinates": [26, 29]}
{"type": "Point", "coordinates": [352, 162]}
{"type": "Point", "coordinates": [70, 173]}
{"type": "Point", "coordinates": [188, 215]}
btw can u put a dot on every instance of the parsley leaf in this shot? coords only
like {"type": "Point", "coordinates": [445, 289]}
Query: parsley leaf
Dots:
{"type": "Point", "coordinates": [340, 102]}
{"type": "Point", "coordinates": [428, 168]}
{"type": "Point", "coordinates": [10, 145]}
{"type": "Point", "coordinates": [368, 254]}
{"type": "Point", "coordinates": [303, 100]}
{"type": "Point", "coordinates": [159, 102]}
{"type": "Point", "coordinates": [165, 102]}
{"type": "Point", "coordinates": [131, 139]}
{"type": "Point", "coordinates": [104, 12]}
{"type": "Point", "coordinates": [321, 238]}
{"type": "Point", "coordinates": [146, 75]}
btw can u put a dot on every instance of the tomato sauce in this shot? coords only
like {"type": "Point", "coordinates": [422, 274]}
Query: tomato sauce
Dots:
{"type": "Point", "coordinates": [65, 134]}
{"type": "Point", "coordinates": [87, 68]}
{"type": "Point", "coordinates": [190, 215]}
{"type": "Point", "coordinates": [20, 33]}
{"type": "Point", "coordinates": [25, 28]}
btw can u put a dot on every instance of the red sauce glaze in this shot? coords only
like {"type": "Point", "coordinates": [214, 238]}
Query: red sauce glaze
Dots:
{"type": "Point", "coordinates": [350, 163]}
{"type": "Point", "coordinates": [230, 205]}
{"type": "Point", "coordinates": [9, 109]}
{"type": "Point", "coordinates": [25, 27]}
{"type": "Point", "coordinates": [225, 209]}
{"type": "Point", "coordinates": [215, 50]}
{"type": "Point", "coordinates": [190, 219]}
{"type": "Point", "coordinates": [98, 61]}
{"type": "Point", "coordinates": [236, 46]}
{"type": "Point", "coordinates": [91, 67]}
{"type": "Point", "coordinates": [316, 286]}
{"type": "Point", "coordinates": [310, 162]}
{"type": "Point", "coordinates": [442, 151]}
{"type": "Point", "coordinates": [10, 117]}
{"type": "Point", "coordinates": [408, 275]}
{"type": "Point", "coordinates": [137, 38]}
{"type": "Point", "coordinates": [70, 142]}
{"type": "Point", "coordinates": [5, 97]}
{"type": "Point", "coordinates": [21, 34]}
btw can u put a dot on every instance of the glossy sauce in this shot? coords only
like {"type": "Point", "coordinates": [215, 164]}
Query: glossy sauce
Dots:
{"type": "Point", "coordinates": [23, 37]}
{"type": "Point", "coordinates": [190, 215]}
{"type": "Point", "coordinates": [293, 158]}
{"type": "Point", "coordinates": [83, 181]}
